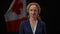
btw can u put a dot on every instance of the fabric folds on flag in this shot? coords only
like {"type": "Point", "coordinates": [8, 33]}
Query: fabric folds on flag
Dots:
{"type": "Point", "coordinates": [15, 14]}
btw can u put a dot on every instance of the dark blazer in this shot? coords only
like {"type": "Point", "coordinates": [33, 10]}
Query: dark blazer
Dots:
{"type": "Point", "coordinates": [25, 28]}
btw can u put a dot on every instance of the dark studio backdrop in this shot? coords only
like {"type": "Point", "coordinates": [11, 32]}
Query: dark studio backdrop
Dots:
{"type": "Point", "coordinates": [45, 15]}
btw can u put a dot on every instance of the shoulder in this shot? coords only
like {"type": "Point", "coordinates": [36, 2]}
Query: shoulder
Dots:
{"type": "Point", "coordinates": [24, 22]}
{"type": "Point", "coordinates": [42, 22]}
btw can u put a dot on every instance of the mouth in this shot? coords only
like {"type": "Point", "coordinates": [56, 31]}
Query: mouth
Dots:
{"type": "Point", "coordinates": [33, 14]}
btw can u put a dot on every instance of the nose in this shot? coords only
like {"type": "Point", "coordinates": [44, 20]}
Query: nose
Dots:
{"type": "Point", "coordinates": [33, 11]}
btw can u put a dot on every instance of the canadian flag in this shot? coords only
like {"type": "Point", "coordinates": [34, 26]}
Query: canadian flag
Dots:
{"type": "Point", "coordinates": [15, 14]}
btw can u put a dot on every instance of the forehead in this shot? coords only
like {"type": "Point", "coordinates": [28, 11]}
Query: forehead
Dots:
{"type": "Point", "coordinates": [33, 6]}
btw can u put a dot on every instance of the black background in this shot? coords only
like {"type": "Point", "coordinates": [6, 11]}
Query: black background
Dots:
{"type": "Point", "coordinates": [48, 11]}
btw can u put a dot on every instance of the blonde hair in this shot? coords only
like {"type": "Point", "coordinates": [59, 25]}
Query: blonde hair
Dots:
{"type": "Point", "coordinates": [38, 6]}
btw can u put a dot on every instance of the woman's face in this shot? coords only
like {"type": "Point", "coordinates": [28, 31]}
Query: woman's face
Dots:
{"type": "Point", "coordinates": [33, 11]}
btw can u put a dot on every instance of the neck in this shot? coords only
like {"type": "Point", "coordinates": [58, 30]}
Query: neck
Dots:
{"type": "Point", "coordinates": [33, 19]}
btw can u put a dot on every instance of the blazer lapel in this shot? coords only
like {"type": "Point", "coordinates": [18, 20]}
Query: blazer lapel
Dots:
{"type": "Point", "coordinates": [38, 28]}
{"type": "Point", "coordinates": [29, 27]}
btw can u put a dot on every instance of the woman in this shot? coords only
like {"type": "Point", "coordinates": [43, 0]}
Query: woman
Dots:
{"type": "Point", "coordinates": [34, 24]}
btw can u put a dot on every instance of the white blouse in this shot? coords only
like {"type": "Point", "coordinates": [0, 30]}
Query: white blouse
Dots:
{"type": "Point", "coordinates": [35, 27]}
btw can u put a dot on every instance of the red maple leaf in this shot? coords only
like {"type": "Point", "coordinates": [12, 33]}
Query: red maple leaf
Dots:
{"type": "Point", "coordinates": [17, 6]}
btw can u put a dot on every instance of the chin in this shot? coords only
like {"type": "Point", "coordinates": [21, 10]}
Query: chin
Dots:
{"type": "Point", "coordinates": [34, 16]}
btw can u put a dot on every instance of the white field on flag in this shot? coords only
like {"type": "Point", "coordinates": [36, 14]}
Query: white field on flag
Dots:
{"type": "Point", "coordinates": [15, 14]}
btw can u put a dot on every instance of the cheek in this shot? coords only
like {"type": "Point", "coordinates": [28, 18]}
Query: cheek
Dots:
{"type": "Point", "coordinates": [36, 12]}
{"type": "Point", "coordinates": [30, 12]}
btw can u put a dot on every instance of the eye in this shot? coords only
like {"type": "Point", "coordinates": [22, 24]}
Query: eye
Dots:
{"type": "Point", "coordinates": [31, 10]}
{"type": "Point", "coordinates": [35, 10]}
